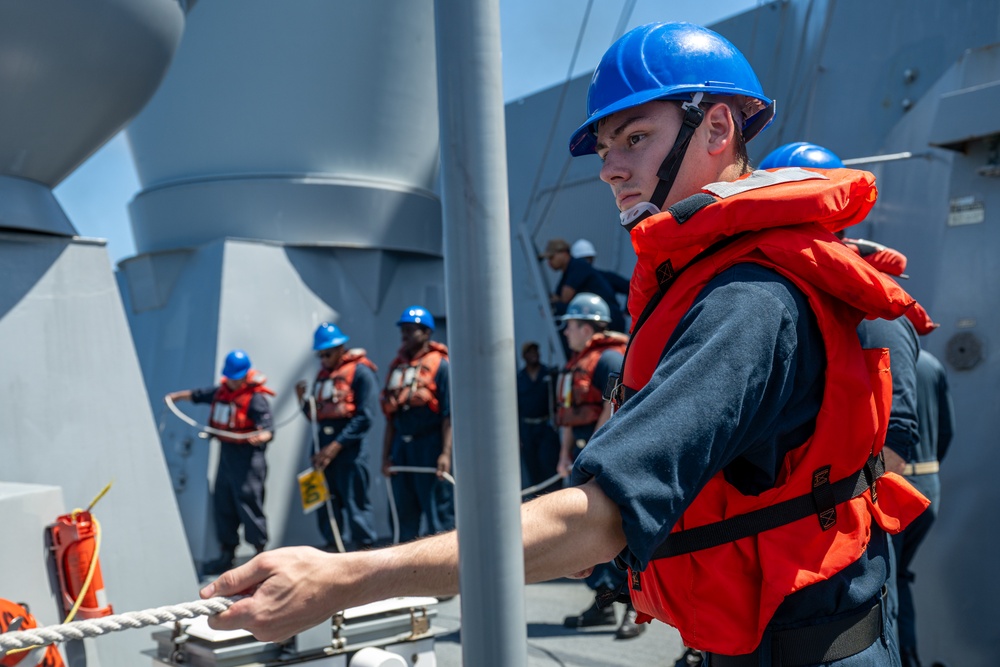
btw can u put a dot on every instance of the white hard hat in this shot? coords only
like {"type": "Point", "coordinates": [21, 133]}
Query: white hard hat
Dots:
{"type": "Point", "coordinates": [582, 248]}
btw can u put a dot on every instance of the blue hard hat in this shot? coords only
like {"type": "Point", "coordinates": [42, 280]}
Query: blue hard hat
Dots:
{"type": "Point", "coordinates": [236, 366]}
{"type": "Point", "coordinates": [417, 315]}
{"type": "Point", "coordinates": [328, 335]}
{"type": "Point", "coordinates": [801, 154]}
{"type": "Point", "coordinates": [670, 61]}
{"type": "Point", "coordinates": [587, 306]}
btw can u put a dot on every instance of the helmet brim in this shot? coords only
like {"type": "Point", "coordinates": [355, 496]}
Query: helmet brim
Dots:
{"type": "Point", "coordinates": [584, 139]}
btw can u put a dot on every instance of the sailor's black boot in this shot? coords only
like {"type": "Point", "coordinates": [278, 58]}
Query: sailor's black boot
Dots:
{"type": "Point", "coordinates": [691, 658]}
{"type": "Point", "coordinates": [629, 629]}
{"type": "Point", "coordinates": [221, 564]}
{"type": "Point", "coordinates": [591, 616]}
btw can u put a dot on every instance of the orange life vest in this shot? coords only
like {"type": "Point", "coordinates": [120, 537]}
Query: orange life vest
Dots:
{"type": "Point", "coordinates": [893, 262]}
{"type": "Point", "coordinates": [332, 389]}
{"type": "Point", "coordinates": [229, 407]}
{"type": "Point", "coordinates": [580, 402]}
{"type": "Point", "coordinates": [47, 656]}
{"type": "Point", "coordinates": [722, 598]}
{"type": "Point", "coordinates": [410, 382]}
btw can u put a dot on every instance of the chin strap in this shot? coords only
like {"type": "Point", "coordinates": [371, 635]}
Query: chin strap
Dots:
{"type": "Point", "coordinates": [693, 116]}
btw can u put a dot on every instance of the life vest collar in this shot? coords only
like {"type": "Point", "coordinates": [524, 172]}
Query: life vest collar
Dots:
{"type": "Point", "coordinates": [667, 243]}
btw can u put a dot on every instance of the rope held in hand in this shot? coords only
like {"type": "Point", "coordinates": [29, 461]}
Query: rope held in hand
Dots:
{"type": "Point", "coordinates": [96, 627]}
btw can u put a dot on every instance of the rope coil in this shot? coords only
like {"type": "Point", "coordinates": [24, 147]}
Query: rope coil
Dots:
{"type": "Point", "coordinates": [96, 627]}
{"type": "Point", "coordinates": [206, 429]}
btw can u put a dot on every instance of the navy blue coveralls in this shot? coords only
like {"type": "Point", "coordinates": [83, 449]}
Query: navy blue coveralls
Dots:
{"type": "Point", "coordinates": [935, 420]}
{"type": "Point", "coordinates": [347, 476]}
{"type": "Point", "coordinates": [539, 440]}
{"type": "Point", "coordinates": [606, 575]}
{"type": "Point", "coordinates": [738, 386]}
{"type": "Point", "coordinates": [418, 443]}
{"type": "Point", "coordinates": [903, 435]}
{"type": "Point", "coordinates": [239, 483]}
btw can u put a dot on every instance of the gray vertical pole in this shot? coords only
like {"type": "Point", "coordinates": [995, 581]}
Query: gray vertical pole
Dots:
{"type": "Point", "coordinates": [481, 331]}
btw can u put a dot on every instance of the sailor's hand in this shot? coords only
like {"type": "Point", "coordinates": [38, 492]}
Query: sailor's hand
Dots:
{"type": "Point", "coordinates": [177, 396]}
{"type": "Point", "coordinates": [289, 590]}
{"type": "Point", "coordinates": [325, 456]}
{"type": "Point", "coordinates": [386, 464]}
{"type": "Point", "coordinates": [259, 439]}
{"type": "Point", "coordinates": [443, 465]}
{"type": "Point", "coordinates": [893, 461]}
{"type": "Point", "coordinates": [565, 466]}
{"type": "Point", "coordinates": [300, 389]}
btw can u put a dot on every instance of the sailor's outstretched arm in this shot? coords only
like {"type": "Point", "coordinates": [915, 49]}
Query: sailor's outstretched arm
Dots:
{"type": "Point", "coordinates": [565, 532]}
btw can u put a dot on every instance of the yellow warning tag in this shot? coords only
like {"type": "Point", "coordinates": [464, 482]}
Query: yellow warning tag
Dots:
{"type": "Point", "coordinates": [312, 488]}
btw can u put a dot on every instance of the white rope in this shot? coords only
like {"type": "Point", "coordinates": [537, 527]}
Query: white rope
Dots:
{"type": "Point", "coordinates": [542, 485]}
{"type": "Point", "coordinates": [447, 476]}
{"type": "Point", "coordinates": [96, 627]}
{"type": "Point", "coordinates": [392, 496]}
{"type": "Point", "coordinates": [204, 428]}
{"type": "Point", "coordinates": [337, 539]}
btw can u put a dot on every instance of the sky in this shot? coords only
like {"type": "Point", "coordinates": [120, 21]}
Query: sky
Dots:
{"type": "Point", "coordinates": [538, 38]}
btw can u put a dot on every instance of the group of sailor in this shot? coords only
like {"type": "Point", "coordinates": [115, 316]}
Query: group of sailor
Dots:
{"type": "Point", "coordinates": [756, 486]}
{"type": "Point", "coordinates": [340, 401]}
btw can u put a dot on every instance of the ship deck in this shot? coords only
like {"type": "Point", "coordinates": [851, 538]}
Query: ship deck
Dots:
{"type": "Point", "coordinates": [550, 644]}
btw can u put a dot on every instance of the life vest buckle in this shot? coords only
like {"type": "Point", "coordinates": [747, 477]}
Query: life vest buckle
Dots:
{"type": "Point", "coordinates": [823, 497]}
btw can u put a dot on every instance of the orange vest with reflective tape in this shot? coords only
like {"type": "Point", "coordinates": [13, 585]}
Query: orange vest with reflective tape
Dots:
{"type": "Point", "coordinates": [410, 382]}
{"type": "Point", "coordinates": [229, 406]}
{"type": "Point", "coordinates": [722, 598]}
{"type": "Point", "coordinates": [580, 402]}
{"type": "Point", "coordinates": [332, 389]}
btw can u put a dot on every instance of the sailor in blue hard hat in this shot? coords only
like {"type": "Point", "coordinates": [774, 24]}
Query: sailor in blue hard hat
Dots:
{"type": "Point", "coordinates": [802, 154]}
{"type": "Point", "coordinates": [720, 398]}
{"type": "Point", "coordinates": [693, 68]}
{"type": "Point", "coordinates": [418, 431]}
{"type": "Point", "coordinates": [596, 354]}
{"type": "Point", "coordinates": [342, 403]}
{"type": "Point", "coordinates": [241, 420]}
{"type": "Point", "coordinates": [905, 451]}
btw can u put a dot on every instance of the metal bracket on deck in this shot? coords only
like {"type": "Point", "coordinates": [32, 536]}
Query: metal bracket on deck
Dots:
{"type": "Point", "coordinates": [419, 625]}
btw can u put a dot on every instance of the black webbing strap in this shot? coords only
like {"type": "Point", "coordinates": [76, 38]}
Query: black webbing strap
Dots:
{"type": "Point", "coordinates": [693, 116]}
{"type": "Point", "coordinates": [617, 392]}
{"type": "Point", "coordinates": [816, 644]}
{"type": "Point", "coordinates": [823, 497]}
{"type": "Point", "coordinates": [667, 173]}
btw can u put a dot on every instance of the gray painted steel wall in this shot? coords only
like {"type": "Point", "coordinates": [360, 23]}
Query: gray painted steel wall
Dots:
{"type": "Point", "coordinates": [74, 414]}
{"type": "Point", "coordinates": [862, 79]}
{"type": "Point", "coordinates": [73, 74]}
{"type": "Point", "coordinates": [313, 122]}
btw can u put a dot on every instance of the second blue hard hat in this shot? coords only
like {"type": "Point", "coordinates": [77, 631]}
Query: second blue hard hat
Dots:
{"type": "Point", "coordinates": [237, 365]}
{"type": "Point", "coordinates": [801, 154]}
{"type": "Point", "coordinates": [417, 315]}
{"type": "Point", "coordinates": [328, 335]}
{"type": "Point", "coordinates": [670, 61]}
